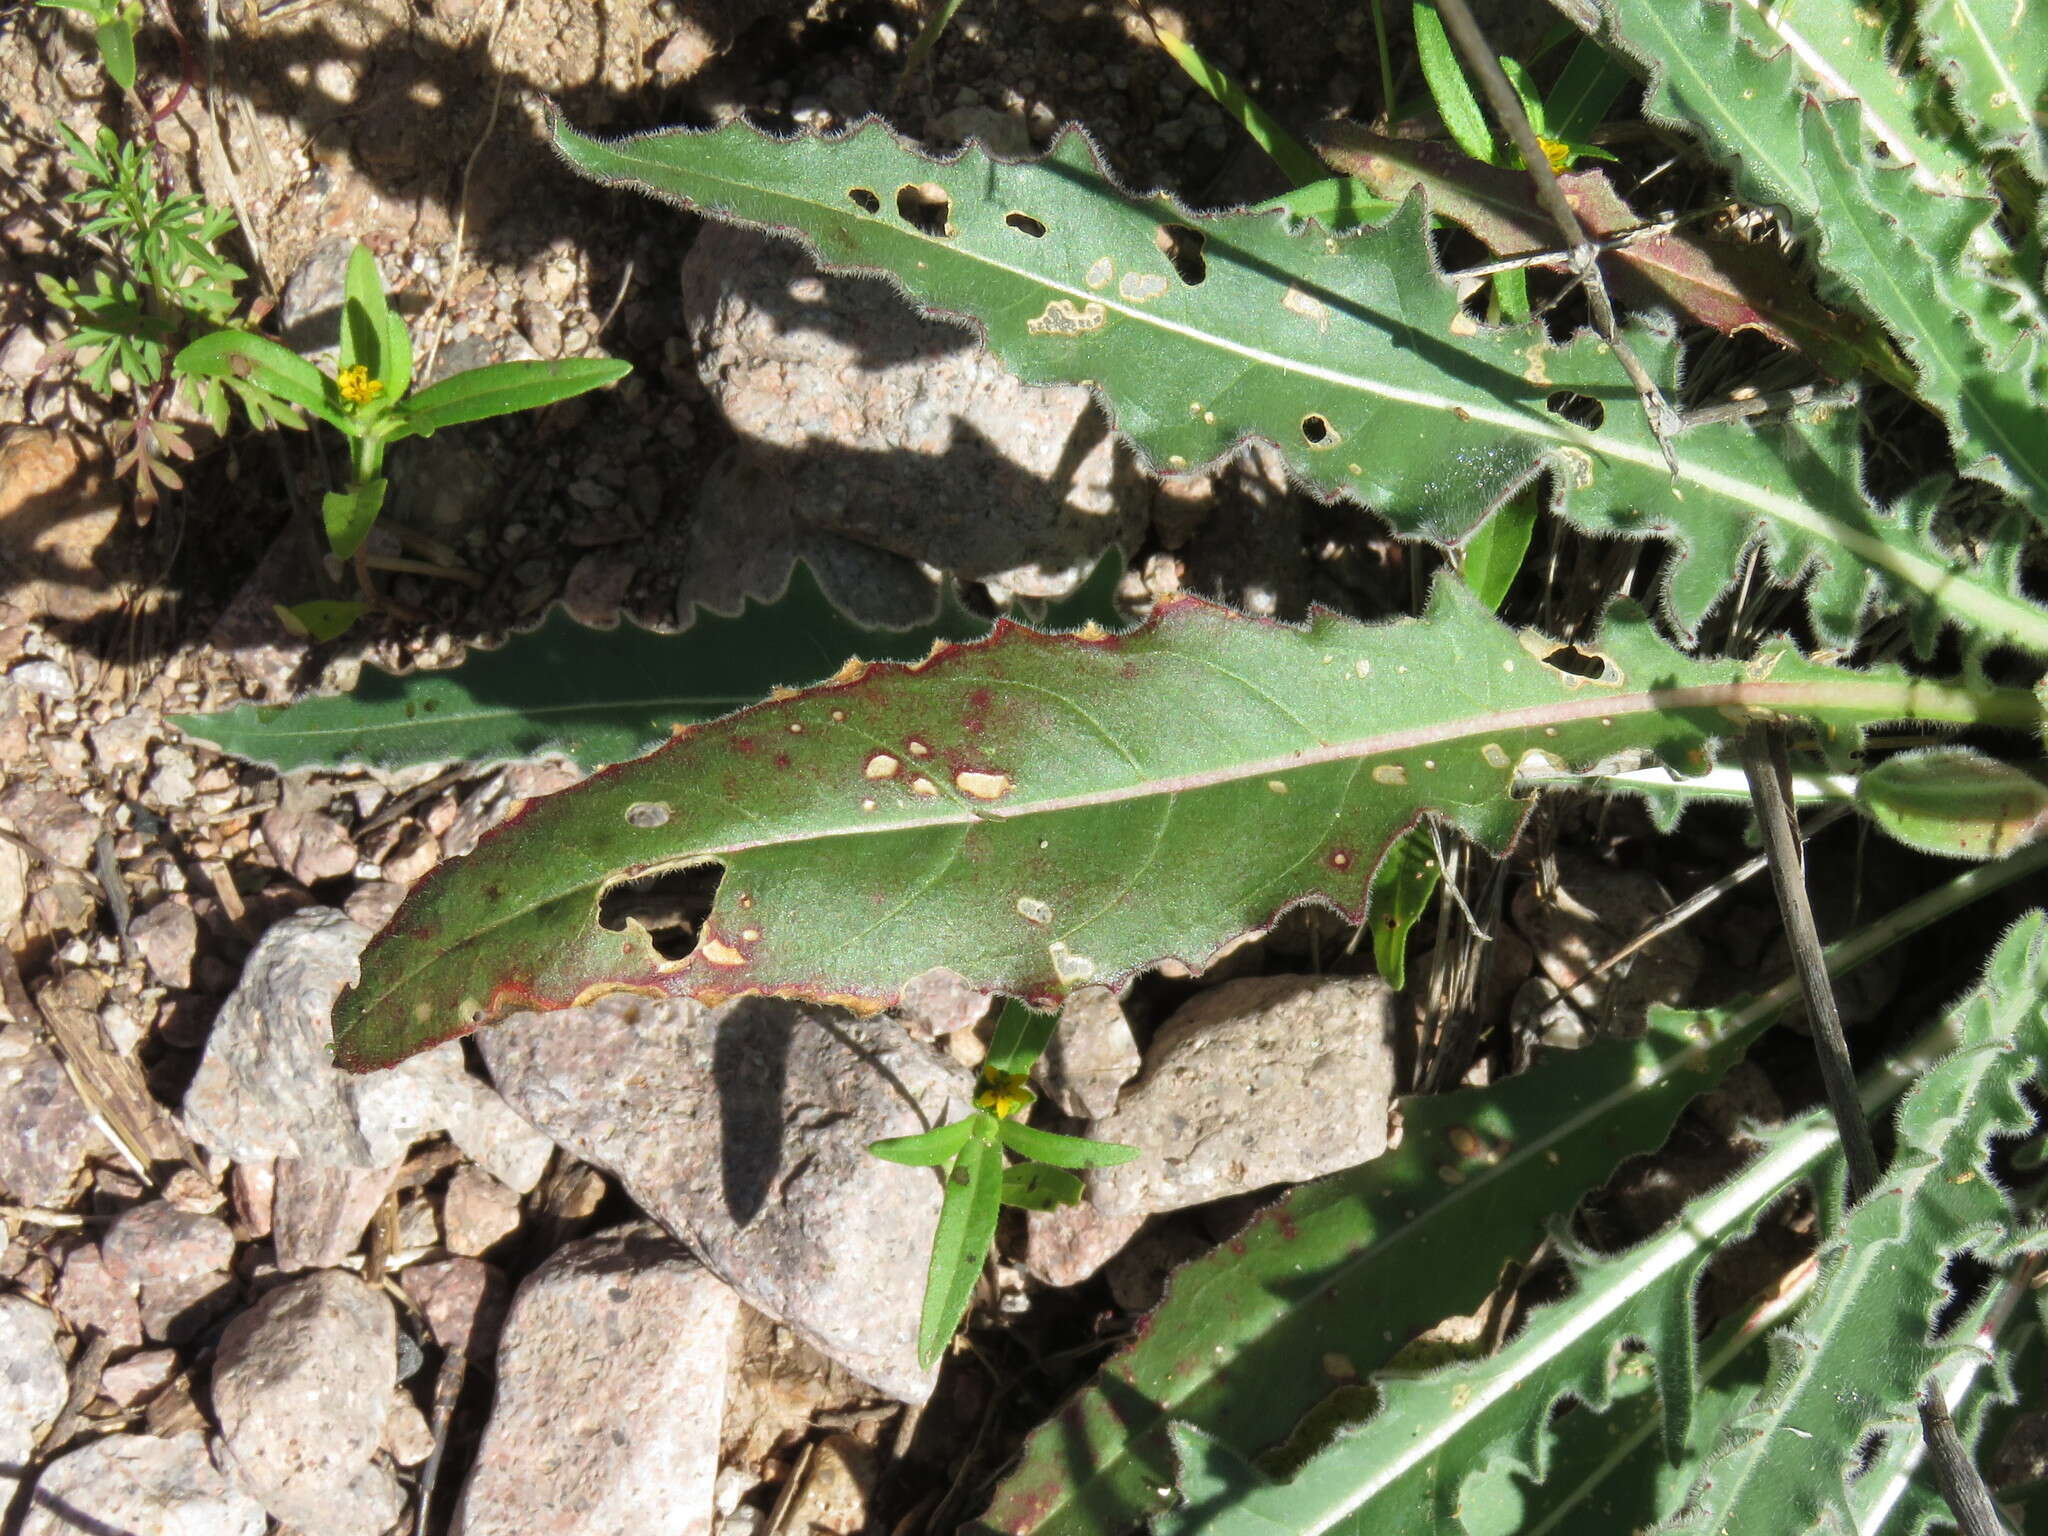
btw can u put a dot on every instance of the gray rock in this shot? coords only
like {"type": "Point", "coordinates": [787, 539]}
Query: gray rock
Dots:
{"type": "Point", "coordinates": [743, 1130]}
{"type": "Point", "coordinates": [168, 937]}
{"type": "Point", "coordinates": [309, 311]}
{"type": "Point", "coordinates": [318, 1214]}
{"type": "Point", "coordinates": [308, 846]}
{"type": "Point", "coordinates": [157, 1241]}
{"type": "Point", "coordinates": [463, 1301]}
{"type": "Point", "coordinates": [477, 1211]}
{"type": "Point", "coordinates": [178, 1311]}
{"type": "Point", "coordinates": [140, 1485]}
{"type": "Point", "coordinates": [302, 1384]}
{"type": "Point", "coordinates": [1069, 1244]}
{"type": "Point", "coordinates": [45, 1129]}
{"type": "Point", "coordinates": [32, 1382]}
{"type": "Point", "coordinates": [1091, 1055]}
{"type": "Point", "coordinates": [44, 677]}
{"type": "Point", "coordinates": [55, 823]}
{"type": "Point", "coordinates": [92, 1299]}
{"type": "Point", "coordinates": [123, 742]}
{"type": "Point", "coordinates": [128, 1381]}
{"type": "Point", "coordinates": [267, 1086]}
{"type": "Point", "coordinates": [611, 1390]}
{"type": "Point", "coordinates": [1239, 1087]}
{"type": "Point", "coordinates": [868, 420]}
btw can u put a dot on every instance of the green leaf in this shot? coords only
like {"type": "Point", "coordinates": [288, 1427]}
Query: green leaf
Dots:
{"type": "Point", "coordinates": [1995, 60]}
{"type": "Point", "coordinates": [1586, 88]}
{"type": "Point", "coordinates": [1034, 1187]}
{"type": "Point", "coordinates": [276, 369]}
{"type": "Point", "coordinates": [1857, 1356]}
{"type": "Point", "coordinates": [366, 328]}
{"type": "Point", "coordinates": [115, 40]}
{"type": "Point", "coordinates": [967, 1226]}
{"type": "Point", "coordinates": [499, 389]}
{"type": "Point", "coordinates": [1449, 89]}
{"type": "Point", "coordinates": [1955, 802]}
{"type": "Point", "coordinates": [927, 1149]}
{"type": "Point", "coordinates": [1401, 890]}
{"type": "Point", "coordinates": [1493, 555]}
{"type": "Point", "coordinates": [1062, 1151]}
{"type": "Point", "coordinates": [1853, 1360]}
{"type": "Point", "coordinates": [1340, 1275]}
{"type": "Point", "coordinates": [593, 696]}
{"type": "Point", "coordinates": [1298, 163]}
{"type": "Point", "coordinates": [1020, 1038]}
{"type": "Point", "coordinates": [1794, 98]}
{"type": "Point", "coordinates": [321, 619]}
{"type": "Point", "coordinates": [349, 514]}
{"type": "Point", "coordinates": [1022, 811]}
{"type": "Point", "coordinates": [1351, 355]}
{"type": "Point", "coordinates": [1340, 204]}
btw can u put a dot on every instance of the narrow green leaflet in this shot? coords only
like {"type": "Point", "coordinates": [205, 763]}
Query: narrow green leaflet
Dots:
{"type": "Point", "coordinates": [1401, 890]}
{"type": "Point", "coordinates": [594, 696]}
{"type": "Point", "coordinates": [1335, 1279]}
{"type": "Point", "coordinates": [264, 363]}
{"type": "Point", "coordinates": [1350, 354]}
{"type": "Point", "coordinates": [927, 1149]}
{"type": "Point", "coordinates": [967, 1225]}
{"type": "Point", "coordinates": [1858, 1354]}
{"type": "Point", "coordinates": [499, 389]}
{"type": "Point", "coordinates": [1020, 810]}
{"type": "Point", "coordinates": [1995, 60]}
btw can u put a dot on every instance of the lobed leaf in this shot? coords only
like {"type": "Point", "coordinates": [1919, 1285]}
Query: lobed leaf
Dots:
{"type": "Point", "coordinates": [1352, 355]}
{"type": "Point", "coordinates": [593, 696]}
{"type": "Point", "coordinates": [1857, 1356]}
{"type": "Point", "coordinates": [1995, 60]}
{"type": "Point", "coordinates": [1795, 99]}
{"type": "Point", "coordinates": [1020, 810]}
{"type": "Point", "coordinates": [1338, 1276]}
{"type": "Point", "coordinates": [1407, 1469]}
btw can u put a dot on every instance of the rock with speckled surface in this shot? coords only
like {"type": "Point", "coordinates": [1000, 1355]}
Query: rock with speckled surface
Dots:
{"type": "Point", "coordinates": [611, 1390]}
{"type": "Point", "coordinates": [140, 1485]}
{"type": "Point", "coordinates": [267, 1086]}
{"type": "Point", "coordinates": [1238, 1091]}
{"type": "Point", "coordinates": [302, 1386]}
{"type": "Point", "coordinates": [32, 1383]}
{"type": "Point", "coordinates": [744, 1129]}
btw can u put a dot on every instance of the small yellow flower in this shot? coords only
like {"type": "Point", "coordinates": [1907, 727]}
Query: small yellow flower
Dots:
{"type": "Point", "coordinates": [1002, 1094]}
{"type": "Point", "coordinates": [1556, 151]}
{"type": "Point", "coordinates": [357, 387]}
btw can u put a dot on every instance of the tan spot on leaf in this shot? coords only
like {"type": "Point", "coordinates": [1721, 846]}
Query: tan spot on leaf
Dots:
{"type": "Point", "coordinates": [718, 952]}
{"type": "Point", "coordinates": [881, 766]}
{"type": "Point", "coordinates": [982, 786]}
{"type": "Point", "coordinates": [1060, 318]}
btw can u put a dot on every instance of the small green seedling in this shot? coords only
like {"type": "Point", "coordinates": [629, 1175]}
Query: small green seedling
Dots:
{"type": "Point", "coordinates": [113, 33]}
{"type": "Point", "coordinates": [368, 398]}
{"type": "Point", "coordinates": [978, 1183]}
